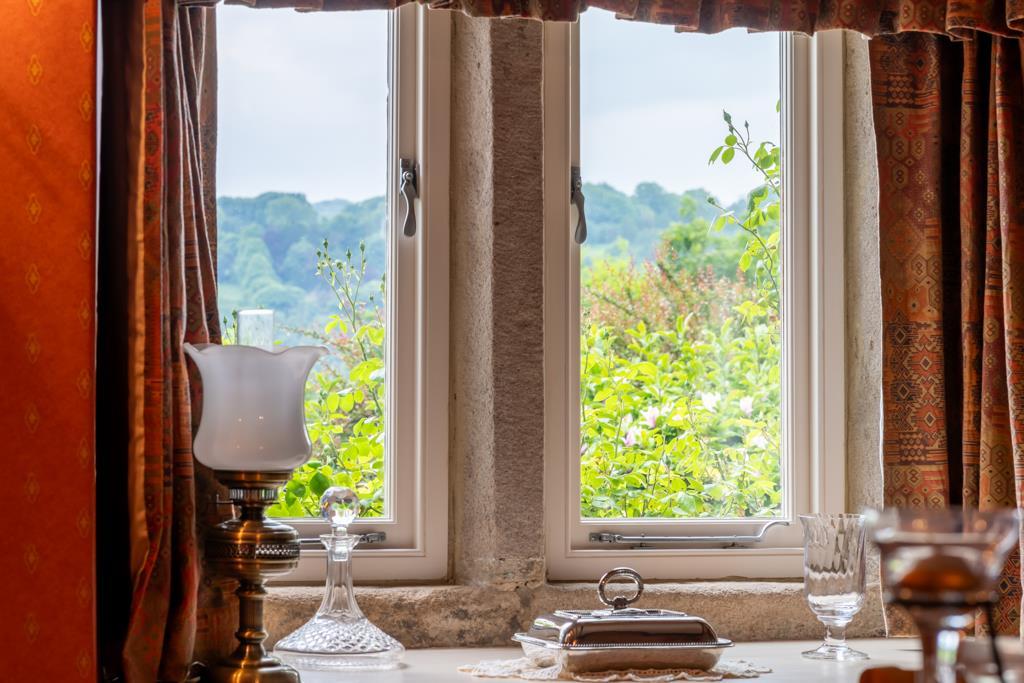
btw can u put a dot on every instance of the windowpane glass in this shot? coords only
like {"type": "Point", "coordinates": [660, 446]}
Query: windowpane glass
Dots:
{"type": "Point", "coordinates": [302, 212]}
{"type": "Point", "coordinates": [681, 339]}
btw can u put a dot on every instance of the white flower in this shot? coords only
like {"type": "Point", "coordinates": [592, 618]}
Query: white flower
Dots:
{"type": "Point", "coordinates": [710, 400]}
{"type": "Point", "coordinates": [747, 404]}
{"type": "Point", "coordinates": [632, 436]}
{"type": "Point", "coordinates": [759, 441]}
{"type": "Point", "coordinates": [651, 415]}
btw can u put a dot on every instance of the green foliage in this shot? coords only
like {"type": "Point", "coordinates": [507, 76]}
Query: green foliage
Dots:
{"type": "Point", "coordinates": [681, 421]}
{"type": "Point", "coordinates": [266, 254]}
{"type": "Point", "coordinates": [345, 401]}
{"type": "Point", "coordinates": [759, 219]}
{"type": "Point", "coordinates": [680, 363]}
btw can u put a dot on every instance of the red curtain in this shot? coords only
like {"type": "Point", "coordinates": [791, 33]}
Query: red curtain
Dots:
{"type": "Point", "coordinates": [949, 120]}
{"type": "Point", "coordinates": [47, 374]}
{"type": "Point", "coordinates": [157, 290]}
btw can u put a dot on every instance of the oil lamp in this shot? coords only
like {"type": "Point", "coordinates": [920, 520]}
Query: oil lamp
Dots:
{"type": "Point", "coordinates": [252, 433]}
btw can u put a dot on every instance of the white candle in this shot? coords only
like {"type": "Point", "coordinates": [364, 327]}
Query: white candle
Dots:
{"type": "Point", "coordinates": [256, 328]}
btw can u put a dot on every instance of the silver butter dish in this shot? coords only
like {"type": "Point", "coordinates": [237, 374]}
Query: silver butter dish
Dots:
{"type": "Point", "coordinates": [622, 637]}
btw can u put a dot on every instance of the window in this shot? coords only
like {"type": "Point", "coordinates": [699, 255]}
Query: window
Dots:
{"type": "Point", "coordinates": [694, 353]}
{"type": "Point", "coordinates": [320, 115]}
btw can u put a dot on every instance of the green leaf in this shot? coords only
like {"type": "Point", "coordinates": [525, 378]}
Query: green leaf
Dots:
{"type": "Point", "coordinates": [727, 155]}
{"type": "Point", "coordinates": [745, 260]}
{"type": "Point", "coordinates": [319, 483]}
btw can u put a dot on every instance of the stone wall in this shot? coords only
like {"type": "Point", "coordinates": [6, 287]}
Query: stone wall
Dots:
{"type": "Point", "coordinates": [863, 288]}
{"type": "Point", "coordinates": [497, 314]}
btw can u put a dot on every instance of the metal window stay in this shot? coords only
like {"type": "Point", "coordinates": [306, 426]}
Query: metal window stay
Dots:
{"type": "Point", "coordinates": [646, 541]}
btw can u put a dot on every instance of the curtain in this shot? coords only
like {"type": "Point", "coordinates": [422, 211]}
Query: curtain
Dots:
{"type": "Point", "coordinates": [47, 375]}
{"type": "Point", "coordinates": [157, 290]}
{"type": "Point", "coordinates": [871, 17]}
{"type": "Point", "coordinates": [949, 120]}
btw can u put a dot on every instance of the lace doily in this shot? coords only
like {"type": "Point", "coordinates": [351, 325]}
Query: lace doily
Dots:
{"type": "Point", "coordinates": [526, 670]}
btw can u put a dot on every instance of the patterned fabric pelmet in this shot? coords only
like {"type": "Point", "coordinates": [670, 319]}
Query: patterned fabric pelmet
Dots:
{"type": "Point", "coordinates": [871, 17]}
{"type": "Point", "coordinates": [949, 120]}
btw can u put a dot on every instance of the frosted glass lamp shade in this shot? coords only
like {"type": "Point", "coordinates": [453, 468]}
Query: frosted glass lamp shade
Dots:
{"type": "Point", "coordinates": [253, 417]}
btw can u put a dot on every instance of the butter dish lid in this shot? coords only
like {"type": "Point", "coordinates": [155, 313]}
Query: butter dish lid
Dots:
{"type": "Point", "coordinates": [621, 625]}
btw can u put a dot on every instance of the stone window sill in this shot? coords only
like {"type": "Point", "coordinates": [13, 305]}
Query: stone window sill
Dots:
{"type": "Point", "coordinates": [485, 616]}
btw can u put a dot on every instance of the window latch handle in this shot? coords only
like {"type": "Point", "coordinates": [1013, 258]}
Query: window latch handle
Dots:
{"type": "Point", "coordinates": [577, 199]}
{"type": "Point", "coordinates": [408, 189]}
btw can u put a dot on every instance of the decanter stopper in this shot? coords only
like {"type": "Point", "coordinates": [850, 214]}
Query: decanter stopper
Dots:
{"type": "Point", "coordinates": [340, 507]}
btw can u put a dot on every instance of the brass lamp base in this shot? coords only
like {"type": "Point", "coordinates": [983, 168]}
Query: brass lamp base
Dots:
{"type": "Point", "coordinates": [252, 548]}
{"type": "Point", "coordinates": [267, 669]}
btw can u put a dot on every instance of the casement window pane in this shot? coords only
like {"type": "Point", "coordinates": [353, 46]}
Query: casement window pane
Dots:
{"type": "Point", "coordinates": [681, 325]}
{"type": "Point", "coordinates": [302, 158]}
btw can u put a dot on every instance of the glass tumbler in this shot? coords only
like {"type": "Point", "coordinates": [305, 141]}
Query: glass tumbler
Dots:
{"type": "Point", "coordinates": [834, 579]}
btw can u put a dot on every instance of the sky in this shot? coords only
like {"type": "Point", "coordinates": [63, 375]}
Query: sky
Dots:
{"type": "Point", "coordinates": [303, 103]}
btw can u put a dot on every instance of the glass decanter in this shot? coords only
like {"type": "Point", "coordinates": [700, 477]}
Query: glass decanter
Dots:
{"type": "Point", "coordinates": [339, 636]}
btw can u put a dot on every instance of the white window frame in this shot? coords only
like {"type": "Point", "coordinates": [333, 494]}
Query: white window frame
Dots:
{"type": "Point", "coordinates": [416, 467]}
{"type": "Point", "coordinates": [814, 329]}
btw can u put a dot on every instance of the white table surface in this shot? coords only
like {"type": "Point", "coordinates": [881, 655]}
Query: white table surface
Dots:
{"type": "Point", "coordinates": [782, 656]}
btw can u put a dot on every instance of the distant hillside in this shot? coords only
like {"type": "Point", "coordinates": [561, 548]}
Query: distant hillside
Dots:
{"type": "Point", "coordinates": [267, 244]}
{"type": "Point", "coordinates": [641, 217]}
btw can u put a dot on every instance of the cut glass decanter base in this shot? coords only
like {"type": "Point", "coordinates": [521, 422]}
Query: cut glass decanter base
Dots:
{"type": "Point", "coordinates": [329, 644]}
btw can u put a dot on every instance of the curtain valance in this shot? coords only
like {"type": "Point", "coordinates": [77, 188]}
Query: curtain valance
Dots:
{"type": "Point", "coordinates": [956, 18]}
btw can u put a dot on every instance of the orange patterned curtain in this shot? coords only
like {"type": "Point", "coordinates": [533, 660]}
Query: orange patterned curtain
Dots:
{"type": "Point", "coordinates": [47, 374]}
{"type": "Point", "coordinates": [157, 290]}
{"type": "Point", "coordinates": [949, 120]}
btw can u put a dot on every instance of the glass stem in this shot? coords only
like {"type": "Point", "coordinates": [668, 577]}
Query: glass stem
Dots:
{"type": "Point", "coordinates": [938, 654]}
{"type": "Point", "coordinates": [835, 634]}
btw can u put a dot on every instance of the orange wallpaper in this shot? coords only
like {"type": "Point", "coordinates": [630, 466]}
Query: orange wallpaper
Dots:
{"type": "Point", "coordinates": [47, 292]}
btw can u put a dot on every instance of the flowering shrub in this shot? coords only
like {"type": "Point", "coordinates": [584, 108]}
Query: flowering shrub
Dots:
{"type": "Point", "coordinates": [680, 364]}
{"type": "Point", "coordinates": [681, 421]}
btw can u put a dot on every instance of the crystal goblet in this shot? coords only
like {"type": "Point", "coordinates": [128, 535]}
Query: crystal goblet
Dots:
{"type": "Point", "coordinates": [834, 579]}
